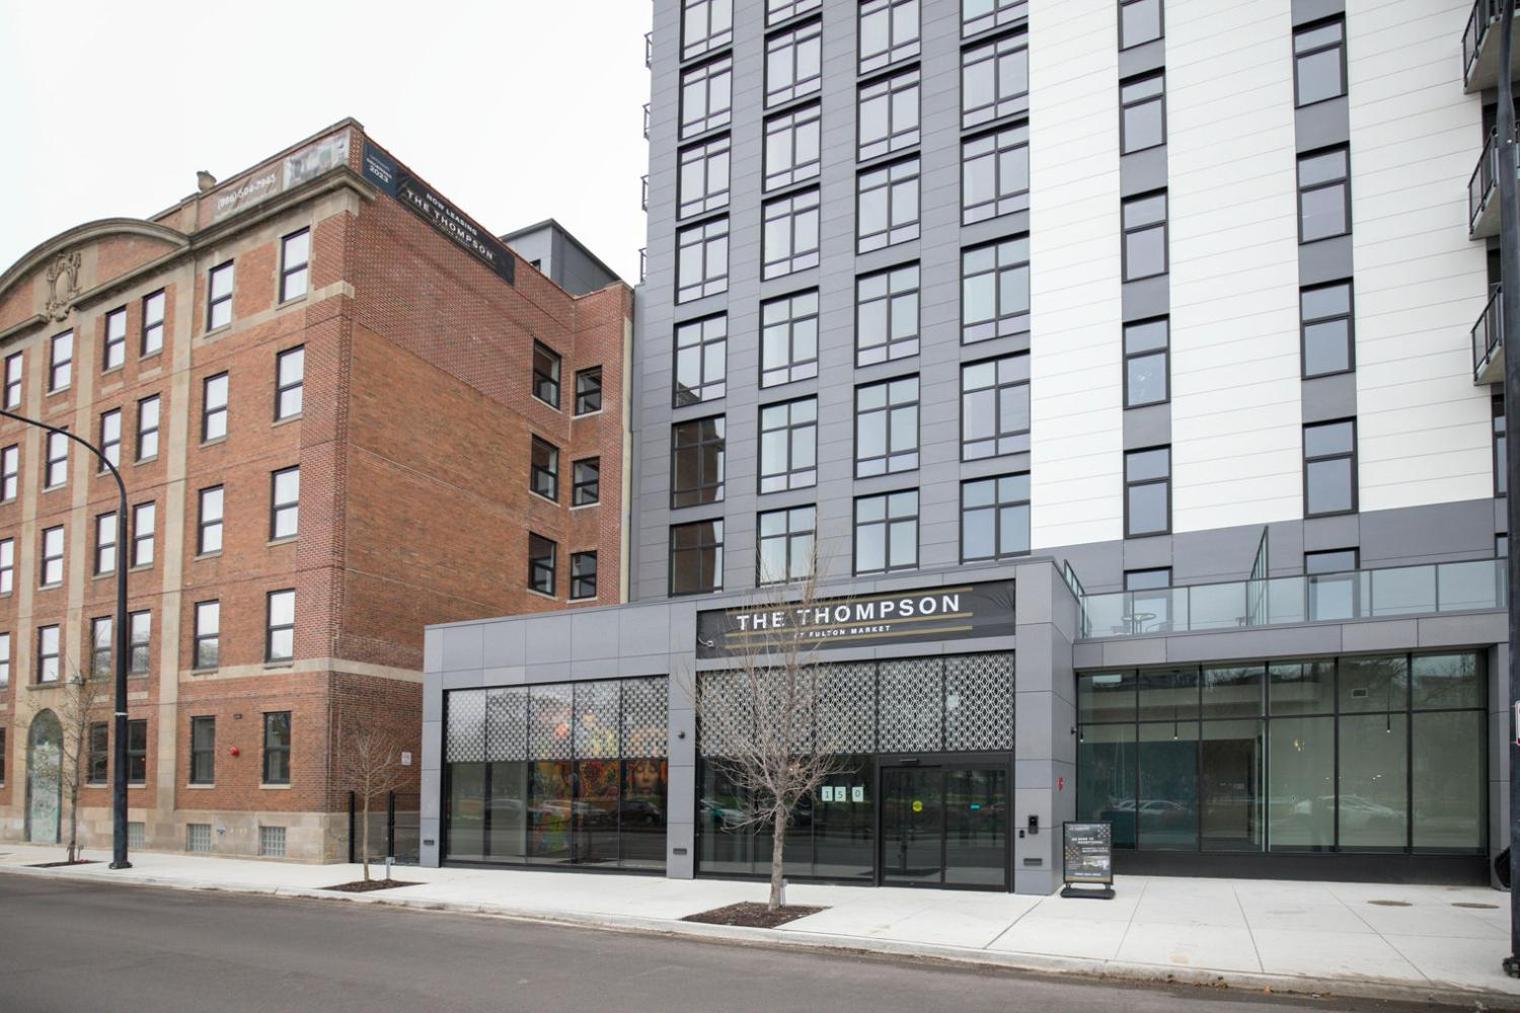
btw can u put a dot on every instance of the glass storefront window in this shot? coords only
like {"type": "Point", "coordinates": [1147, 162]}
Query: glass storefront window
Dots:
{"type": "Point", "coordinates": [507, 803]}
{"type": "Point", "coordinates": [1374, 684]}
{"type": "Point", "coordinates": [1232, 691]}
{"type": "Point", "coordinates": [1106, 696]}
{"type": "Point", "coordinates": [1441, 681]}
{"type": "Point", "coordinates": [1300, 784]}
{"type": "Point", "coordinates": [1302, 687]}
{"type": "Point", "coordinates": [1106, 779]}
{"type": "Point", "coordinates": [1168, 694]}
{"type": "Point", "coordinates": [467, 811]}
{"type": "Point", "coordinates": [1373, 807]}
{"type": "Point", "coordinates": [1167, 808]}
{"type": "Point", "coordinates": [1232, 765]}
{"type": "Point", "coordinates": [1449, 791]}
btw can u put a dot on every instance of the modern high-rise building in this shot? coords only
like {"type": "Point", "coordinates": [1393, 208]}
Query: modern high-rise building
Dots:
{"type": "Point", "coordinates": [1117, 361]}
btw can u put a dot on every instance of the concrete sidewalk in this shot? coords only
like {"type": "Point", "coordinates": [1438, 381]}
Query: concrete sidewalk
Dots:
{"type": "Point", "coordinates": [1425, 943]}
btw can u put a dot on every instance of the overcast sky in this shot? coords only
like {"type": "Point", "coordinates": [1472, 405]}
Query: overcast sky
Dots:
{"type": "Point", "coordinates": [517, 110]}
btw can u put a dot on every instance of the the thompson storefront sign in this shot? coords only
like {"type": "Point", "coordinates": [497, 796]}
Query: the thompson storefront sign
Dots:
{"type": "Point", "coordinates": [940, 613]}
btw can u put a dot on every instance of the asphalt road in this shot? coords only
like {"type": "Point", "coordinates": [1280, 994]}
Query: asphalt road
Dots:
{"type": "Point", "coordinates": [72, 947]}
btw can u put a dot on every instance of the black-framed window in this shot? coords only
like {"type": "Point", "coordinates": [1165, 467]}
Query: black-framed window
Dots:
{"type": "Point", "coordinates": [983, 15]}
{"type": "Point", "coordinates": [793, 141]}
{"type": "Point", "coordinates": [5, 681]}
{"type": "Point", "coordinates": [56, 467]}
{"type": "Point", "coordinates": [696, 557]}
{"type": "Point", "coordinates": [153, 306]}
{"type": "Point", "coordinates": [886, 315]}
{"type": "Point", "coordinates": [1155, 578]}
{"type": "Point", "coordinates": [98, 766]}
{"type": "Point", "coordinates": [60, 361]}
{"type": "Point", "coordinates": [1330, 561]}
{"type": "Point", "coordinates": [777, 11]}
{"type": "Point", "coordinates": [214, 391]}
{"type": "Point", "coordinates": [137, 751]}
{"type": "Point", "coordinates": [697, 465]}
{"type": "Point", "coordinates": [585, 481]}
{"type": "Point", "coordinates": [140, 628]}
{"type": "Point", "coordinates": [702, 260]}
{"type": "Point", "coordinates": [543, 560]}
{"type": "Point", "coordinates": [219, 296]}
{"type": "Point", "coordinates": [887, 205]}
{"type": "Point", "coordinates": [789, 240]}
{"type": "Point", "coordinates": [701, 360]}
{"type": "Point", "coordinates": [995, 174]}
{"type": "Point", "coordinates": [1501, 446]}
{"type": "Point", "coordinates": [295, 265]}
{"type": "Point", "coordinates": [794, 63]}
{"type": "Point", "coordinates": [887, 114]}
{"type": "Point", "coordinates": [588, 390]}
{"type": "Point", "coordinates": [51, 571]}
{"type": "Point", "coordinates": [1319, 61]}
{"type": "Point", "coordinates": [886, 427]}
{"type": "Point", "coordinates": [290, 382]}
{"type": "Point", "coordinates": [789, 445]}
{"type": "Point", "coordinates": [888, 32]}
{"type": "Point", "coordinates": [1139, 22]}
{"type": "Point", "coordinates": [280, 625]}
{"type": "Point", "coordinates": [995, 80]}
{"type": "Point", "coordinates": [707, 96]}
{"type": "Point", "coordinates": [1147, 362]}
{"type": "Point", "coordinates": [1327, 329]}
{"type": "Point", "coordinates": [285, 502]}
{"type": "Point", "coordinates": [277, 747]}
{"type": "Point", "coordinates": [544, 468]}
{"type": "Point", "coordinates": [1148, 492]}
{"type": "Point", "coordinates": [48, 648]}
{"type": "Point", "coordinates": [209, 521]}
{"type": "Point", "coordinates": [582, 575]}
{"type": "Point", "coordinates": [147, 428]}
{"type": "Point", "coordinates": [10, 472]}
{"type": "Point", "coordinates": [546, 368]}
{"type": "Point", "coordinates": [110, 437]}
{"type": "Point", "coordinates": [2, 729]}
{"type": "Point", "coordinates": [203, 750]}
{"type": "Point", "coordinates": [789, 338]}
{"type": "Point", "coordinates": [144, 520]}
{"type": "Point", "coordinates": [995, 407]}
{"type": "Point", "coordinates": [995, 518]}
{"type": "Point", "coordinates": [114, 347]}
{"type": "Point", "coordinates": [995, 290]}
{"type": "Point", "coordinates": [100, 647]}
{"type": "Point", "coordinates": [1142, 113]}
{"type": "Point", "coordinates": [705, 25]}
{"type": "Point", "coordinates": [207, 634]}
{"type": "Point", "coordinates": [14, 367]}
{"type": "Point", "coordinates": [886, 532]}
{"type": "Point", "coordinates": [1324, 194]}
{"type": "Point", "coordinates": [703, 180]}
{"type": "Point", "coordinates": [785, 545]}
{"type": "Point", "coordinates": [1330, 468]}
{"type": "Point", "coordinates": [1145, 235]}
{"type": "Point", "coordinates": [105, 543]}
{"type": "Point", "coordinates": [7, 565]}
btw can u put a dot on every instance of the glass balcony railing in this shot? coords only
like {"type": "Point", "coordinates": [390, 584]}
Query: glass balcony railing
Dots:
{"type": "Point", "coordinates": [1488, 341]}
{"type": "Point", "coordinates": [1471, 586]}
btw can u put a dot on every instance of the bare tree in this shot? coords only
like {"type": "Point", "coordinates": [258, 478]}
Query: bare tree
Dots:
{"type": "Point", "coordinates": [369, 765]}
{"type": "Point", "coordinates": [81, 697]}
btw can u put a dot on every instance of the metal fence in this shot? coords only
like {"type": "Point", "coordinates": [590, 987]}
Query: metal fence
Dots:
{"type": "Point", "coordinates": [394, 828]}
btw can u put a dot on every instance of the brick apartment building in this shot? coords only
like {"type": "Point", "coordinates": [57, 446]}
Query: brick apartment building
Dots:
{"type": "Point", "coordinates": [342, 411]}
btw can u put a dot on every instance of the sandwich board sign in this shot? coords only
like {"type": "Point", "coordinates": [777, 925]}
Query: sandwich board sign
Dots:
{"type": "Point", "coordinates": [1087, 860]}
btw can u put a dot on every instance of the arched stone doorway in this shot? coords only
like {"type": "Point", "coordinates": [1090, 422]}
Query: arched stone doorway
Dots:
{"type": "Point", "coordinates": [44, 778]}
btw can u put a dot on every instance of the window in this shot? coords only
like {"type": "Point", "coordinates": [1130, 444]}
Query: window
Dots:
{"type": "Point", "coordinates": [995, 407]}
{"type": "Point", "coordinates": [789, 338]}
{"type": "Point", "coordinates": [1147, 492]}
{"type": "Point", "coordinates": [277, 747]}
{"type": "Point", "coordinates": [271, 841]}
{"type": "Point", "coordinates": [888, 115]}
{"type": "Point", "coordinates": [702, 260]}
{"type": "Point", "coordinates": [47, 654]}
{"type": "Point", "coordinates": [144, 517]}
{"type": "Point", "coordinates": [285, 503]}
{"type": "Point", "coordinates": [295, 256]}
{"type": "Point", "coordinates": [1142, 113]}
{"type": "Point", "coordinates": [1319, 62]}
{"type": "Point", "coordinates": [56, 471]}
{"type": "Point", "coordinates": [7, 565]}
{"type": "Point", "coordinates": [888, 33]}
{"type": "Point", "coordinates": [1501, 546]}
{"type": "Point", "coordinates": [1145, 236]}
{"type": "Point", "coordinates": [980, 15]}
{"type": "Point", "coordinates": [13, 364]}
{"type": "Point", "coordinates": [790, 240]}
{"type": "Point", "coordinates": [1148, 580]}
{"type": "Point", "coordinates": [10, 472]}
{"type": "Point", "coordinates": [545, 469]}
{"type": "Point", "coordinates": [147, 428]}
{"type": "Point", "coordinates": [5, 680]}
{"type": "Point", "coordinates": [701, 360]}
{"type": "Point", "coordinates": [100, 647]}
{"type": "Point", "coordinates": [219, 297]}
{"type": "Point", "coordinates": [1327, 329]}
{"type": "Point", "coordinates": [105, 543]}
{"type": "Point", "coordinates": [114, 350]}
{"type": "Point", "coordinates": [588, 391]}
{"type": "Point", "coordinates": [290, 380]}
{"type": "Point", "coordinates": [110, 436]}
{"type": "Point", "coordinates": [995, 290]}
{"type": "Point", "coordinates": [703, 177]}
{"type": "Point", "coordinates": [1324, 195]}
{"type": "Point", "coordinates": [1146, 369]}
{"type": "Point", "coordinates": [137, 751]}
{"type": "Point", "coordinates": [153, 323]}
{"type": "Point", "coordinates": [696, 557]}
{"type": "Point", "coordinates": [1139, 22]}
{"type": "Point", "coordinates": [794, 63]}
{"type": "Point", "coordinates": [586, 481]}
{"type": "Point", "coordinates": [52, 557]}
{"type": "Point", "coordinates": [203, 750]}
{"type": "Point", "coordinates": [546, 365]}
{"type": "Point", "coordinates": [705, 25]}
{"type": "Point", "coordinates": [792, 143]}
{"type": "Point", "coordinates": [61, 361]}
{"type": "Point", "coordinates": [280, 628]}
{"type": "Point", "coordinates": [141, 629]}
{"type": "Point", "coordinates": [1330, 468]}
{"type": "Point", "coordinates": [98, 766]}
{"type": "Point", "coordinates": [582, 575]}
{"type": "Point", "coordinates": [208, 634]}
{"type": "Point", "coordinates": [995, 80]}
{"type": "Point", "coordinates": [995, 175]}
{"type": "Point", "coordinates": [886, 532]}
{"type": "Point", "coordinates": [777, 11]}
{"type": "Point", "coordinates": [1330, 561]}
{"type": "Point", "coordinates": [706, 97]}
{"type": "Point", "coordinates": [209, 536]}
{"type": "Point", "coordinates": [994, 518]}
{"type": "Point", "coordinates": [696, 462]}
{"type": "Point", "coordinates": [786, 545]}
{"type": "Point", "coordinates": [886, 427]}
{"type": "Point", "coordinates": [214, 408]}
{"type": "Point", "coordinates": [887, 205]}
{"type": "Point", "coordinates": [1501, 446]}
{"type": "Point", "coordinates": [789, 445]}
{"type": "Point", "coordinates": [886, 315]}
{"type": "Point", "coordinates": [198, 837]}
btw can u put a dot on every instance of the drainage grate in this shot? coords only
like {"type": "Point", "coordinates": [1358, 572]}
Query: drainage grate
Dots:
{"type": "Point", "coordinates": [1391, 903]}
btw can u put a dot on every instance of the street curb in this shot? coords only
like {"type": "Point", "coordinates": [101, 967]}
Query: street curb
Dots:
{"type": "Point", "coordinates": [858, 946]}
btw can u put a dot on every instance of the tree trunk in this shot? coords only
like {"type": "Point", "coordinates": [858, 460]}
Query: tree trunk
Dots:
{"type": "Point", "coordinates": [364, 839]}
{"type": "Point", "coordinates": [73, 849]}
{"type": "Point", "coordinates": [778, 849]}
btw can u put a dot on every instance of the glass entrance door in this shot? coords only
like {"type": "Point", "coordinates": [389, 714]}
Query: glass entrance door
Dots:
{"type": "Point", "coordinates": [912, 826]}
{"type": "Point", "coordinates": [945, 826]}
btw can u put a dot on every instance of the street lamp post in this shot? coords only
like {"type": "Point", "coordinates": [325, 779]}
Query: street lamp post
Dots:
{"type": "Point", "coordinates": [119, 757]}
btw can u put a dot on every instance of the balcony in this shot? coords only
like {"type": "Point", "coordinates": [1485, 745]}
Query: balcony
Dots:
{"type": "Point", "coordinates": [644, 198]}
{"type": "Point", "coordinates": [648, 49]}
{"type": "Point", "coordinates": [646, 121]}
{"type": "Point", "coordinates": [1480, 46]}
{"type": "Point", "coordinates": [1483, 192]}
{"type": "Point", "coordinates": [1488, 342]}
{"type": "Point", "coordinates": [1478, 585]}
